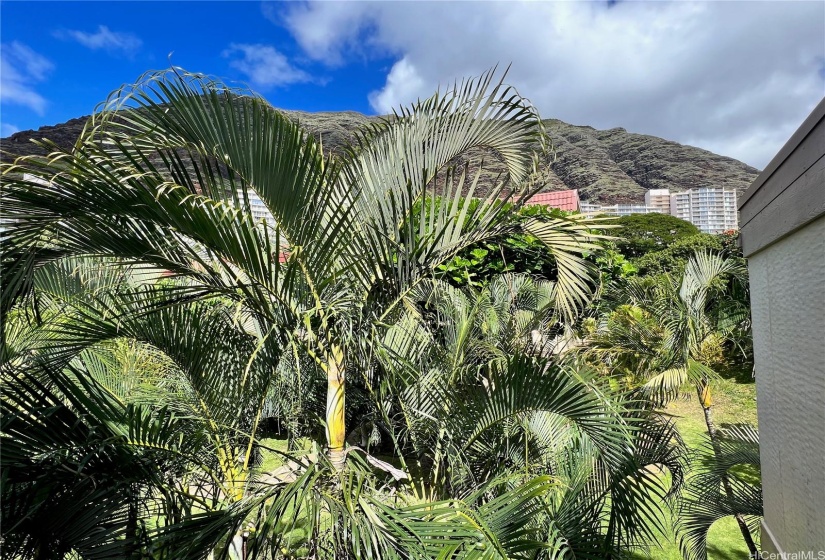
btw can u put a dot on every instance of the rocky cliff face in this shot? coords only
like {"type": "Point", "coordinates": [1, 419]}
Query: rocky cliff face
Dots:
{"type": "Point", "coordinates": [607, 166]}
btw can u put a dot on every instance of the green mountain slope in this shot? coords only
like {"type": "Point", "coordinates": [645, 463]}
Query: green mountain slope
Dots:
{"type": "Point", "coordinates": [607, 166]}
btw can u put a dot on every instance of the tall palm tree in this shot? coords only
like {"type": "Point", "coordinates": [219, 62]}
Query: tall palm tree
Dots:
{"type": "Point", "coordinates": [662, 331]}
{"type": "Point", "coordinates": [160, 180]}
{"type": "Point", "coordinates": [160, 176]}
{"type": "Point", "coordinates": [189, 361]}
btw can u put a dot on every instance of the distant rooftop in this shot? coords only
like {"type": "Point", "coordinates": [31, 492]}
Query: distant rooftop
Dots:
{"type": "Point", "coordinates": [563, 200]}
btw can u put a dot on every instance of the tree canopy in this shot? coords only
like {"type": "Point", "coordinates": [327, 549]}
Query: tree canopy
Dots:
{"type": "Point", "coordinates": [645, 233]}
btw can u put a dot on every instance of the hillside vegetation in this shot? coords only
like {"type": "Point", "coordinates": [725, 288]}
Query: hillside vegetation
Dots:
{"type": "Point", "coordinates": [607, 166]}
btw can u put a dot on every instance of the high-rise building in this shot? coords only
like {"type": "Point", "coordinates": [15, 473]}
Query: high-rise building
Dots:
{"type": "Point", "coordinates": [659, 199]}
{"type": "Point", "coordinates": [712, 210]}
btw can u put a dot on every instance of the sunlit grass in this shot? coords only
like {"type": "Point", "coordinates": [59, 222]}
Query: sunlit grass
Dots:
{"type": "Point", "coordinates": [734, 402]}
{"type": "Point", "coordinates": [273, 450]}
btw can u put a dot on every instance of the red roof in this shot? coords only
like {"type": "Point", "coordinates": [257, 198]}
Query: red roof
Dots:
{"type": "Point", "coordinates": [563, 200]}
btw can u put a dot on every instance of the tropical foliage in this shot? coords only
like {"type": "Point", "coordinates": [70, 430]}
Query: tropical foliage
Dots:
{"type": "Point", "coordinates": [675, 256]}
{"type": "Point", "coordinates": [726, 482]}
{"type": "Point", "coordinates": [152, 326]}
{"type": "Point", "coordinates": [647, 233]}
{"type": "Point", "coordinates": [669, 333]}
{"type": "Point", "coordinates": [516, 251]}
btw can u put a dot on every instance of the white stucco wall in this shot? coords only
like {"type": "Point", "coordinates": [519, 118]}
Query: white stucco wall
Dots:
{"type": "Point", "coordinates": [788, 304]}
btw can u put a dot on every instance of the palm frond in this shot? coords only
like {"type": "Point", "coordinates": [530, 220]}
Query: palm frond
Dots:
{"type": "Point", "coordinates": [705, 501]}
{"type": "Point", "coordinates": [567, 239]}
{"type": "Point", "coordinates": [398, 163]}
{"type": "Point", "coordinates": [76, 463]}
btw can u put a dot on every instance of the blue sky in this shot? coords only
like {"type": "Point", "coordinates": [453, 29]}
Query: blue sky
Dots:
{"type": "Point", "coordinates": [733, 77]}
{"type": "Point", "coordinates": [92, 48]}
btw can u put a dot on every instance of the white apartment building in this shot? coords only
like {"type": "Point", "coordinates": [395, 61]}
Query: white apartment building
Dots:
{"type": "Point", "coordinates": [658, 199]}
{"type": "Point", "coordinates": [712, 210]}
{"type": "Point", "coordinates": [257, 207]}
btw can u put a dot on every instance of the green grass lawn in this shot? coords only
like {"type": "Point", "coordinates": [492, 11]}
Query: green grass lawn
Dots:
{"type": "Point", "coordinates": [271, 459]}
{"type": "Point", "coordinates": [734, 401]}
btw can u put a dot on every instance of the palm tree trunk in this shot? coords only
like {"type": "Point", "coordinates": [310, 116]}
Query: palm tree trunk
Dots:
{"type": "Point", "coordinates": [706, 401]}
{"type": "Point", "coordinates": [335, 418]}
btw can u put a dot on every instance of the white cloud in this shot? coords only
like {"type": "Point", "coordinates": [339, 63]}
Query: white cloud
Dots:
{"type": "Point", "coordinates": [104, 38]}
{"type": "Point", "coordinates": [20, 70]}
{"type": "Point", "coordinates": [402, 78]}
{"type": "Point", "coordinates": [327, 32]}
{"type": "Point", "coordinates": [733, 77]}
{"type": "Point", "coordinates": [264, 66]}
{"type": "Point", "coordinates": [7, 129]}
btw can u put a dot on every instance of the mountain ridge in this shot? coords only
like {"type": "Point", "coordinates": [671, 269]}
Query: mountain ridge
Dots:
{"type": "Point", "coordinates": [606, 166]}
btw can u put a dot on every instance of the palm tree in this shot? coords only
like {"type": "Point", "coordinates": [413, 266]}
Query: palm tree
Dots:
{"type": "Point", "coordinates": [160, 177]}
{"type": "Point", "coordinates": [187, 361]}
{"type": "Point", "coordinates": [160, 182]}
{"type": "Point", "coordinates": [80, 346]}
{"type": "Point", "coordinates": [663, 329]}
